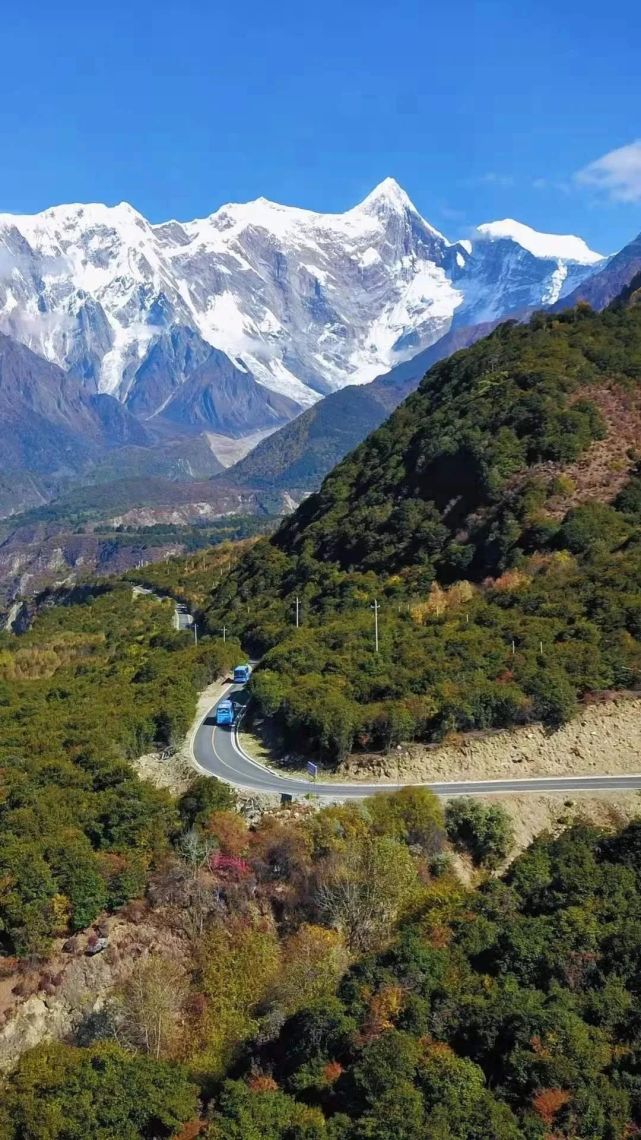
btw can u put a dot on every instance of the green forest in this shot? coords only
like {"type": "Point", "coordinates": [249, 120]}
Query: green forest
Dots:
{"type": "Point", "coordinates": [99, 679]}
{"type": "Point", "coordinates": [496, 520]}
{"type": "Point", "coordinates": [338, 980]}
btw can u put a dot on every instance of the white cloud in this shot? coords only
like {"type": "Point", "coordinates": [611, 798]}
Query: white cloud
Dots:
{"type": "Point", "coordinates": [493, 178]}
{"type": "Point", "coordinates": [617, 174]}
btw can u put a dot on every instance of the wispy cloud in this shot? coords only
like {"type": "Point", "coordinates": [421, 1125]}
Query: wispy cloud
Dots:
{"type": "Point", "coordinates": [450, 214]}
{"type": "Point", "coordinates": [555, 185]}
{"type": "Point", "coordinates": [617, 174]}
{"type": "Point", "coordinates": [491, 178]}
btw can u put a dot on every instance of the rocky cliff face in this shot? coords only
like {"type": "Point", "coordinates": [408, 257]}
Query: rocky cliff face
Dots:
{"type": "Point", "coordinates": [49, 422]}
{"type": "Point", "coordinates": [601, 288]}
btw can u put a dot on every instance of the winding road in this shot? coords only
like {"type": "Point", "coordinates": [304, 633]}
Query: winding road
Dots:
{"type": "Point", "coordinates": [217, 752]}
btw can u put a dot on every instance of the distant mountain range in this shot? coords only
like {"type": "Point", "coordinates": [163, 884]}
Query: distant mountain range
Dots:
{"type": "Point", "coordinates": [121, 399]}
{"type": "Point", "coordinates": [301, 303]}
{"type": "Point", "coordinates": [168, 350]}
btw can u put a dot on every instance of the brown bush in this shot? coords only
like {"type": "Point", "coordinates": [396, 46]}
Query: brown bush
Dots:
{"type": "Point", "coordinates": [548, 1103]}
{"type": "Point", "coordinates": [261, 1082]}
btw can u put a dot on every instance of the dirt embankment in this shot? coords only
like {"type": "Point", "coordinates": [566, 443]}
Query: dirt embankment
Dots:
{"type": "Point", "coordinates": [534, 814]}
{"type": "Point", "coordinates": [48, 1001]}
{"type": "Point", "coordinates": [602, 739]}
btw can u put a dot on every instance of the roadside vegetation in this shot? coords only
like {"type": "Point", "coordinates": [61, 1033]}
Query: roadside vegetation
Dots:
{"type": "Point", "coordinates": [96, 682]}
{"type": "Point", "coordinates": [192, 579]}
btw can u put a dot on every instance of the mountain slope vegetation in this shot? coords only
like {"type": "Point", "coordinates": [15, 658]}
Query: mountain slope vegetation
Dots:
{"type": "Point", "coordinates": [527, 401]}
{"type": "Point", "coordinates": [100, 678]}
{"type": "Point", "coordinates": [339, 982]}
{"type": "Point", "coordinates": [300, 454]}
{"type": "Point", "coordinates": [495, 518]}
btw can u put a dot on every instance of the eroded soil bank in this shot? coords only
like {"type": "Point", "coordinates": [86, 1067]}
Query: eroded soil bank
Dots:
{"type": "Point", "coordinates": [603, 739]}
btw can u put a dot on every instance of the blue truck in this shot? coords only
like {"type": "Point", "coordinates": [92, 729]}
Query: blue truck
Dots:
{"type": "Point", "coordinates": [242, 674]}
{"type": "Point", "coordinates": [225, 712]}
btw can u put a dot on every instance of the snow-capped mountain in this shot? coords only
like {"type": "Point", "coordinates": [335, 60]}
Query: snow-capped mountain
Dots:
{"type": "Point", "coordinates": [259, 296]}
{"type": "Point", "coordinates": [512, 268]}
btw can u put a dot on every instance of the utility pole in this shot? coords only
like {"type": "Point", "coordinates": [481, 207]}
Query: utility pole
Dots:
{"type": "Point", "coordinates": [297, 611]}
{"type": "Point", "coordinates": [375, 607]}
{"type": "Point", "coordinates": [224, 633]}
{"type": "Point", "coordinates": [195, 634]}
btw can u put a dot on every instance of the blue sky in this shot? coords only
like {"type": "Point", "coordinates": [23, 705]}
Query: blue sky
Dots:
{"type": "Point", "coordinates": [480, 110]}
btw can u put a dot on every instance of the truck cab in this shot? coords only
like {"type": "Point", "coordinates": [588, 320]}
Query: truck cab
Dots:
{"type": "Point", "coordinates": [225, 712]}
{"type": "Point", "coordinates": [242, 674]}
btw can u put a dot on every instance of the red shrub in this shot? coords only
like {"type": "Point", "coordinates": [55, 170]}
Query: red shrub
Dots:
{"type": "Point", "coordinates": [548, 1103]}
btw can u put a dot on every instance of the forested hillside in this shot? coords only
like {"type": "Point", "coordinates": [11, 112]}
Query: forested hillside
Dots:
{"type": "Point", "coordinates": [504, 1014]}
{"type": "Point", "coordinates": [299, 455]}
{"type": "Point", "coordinates": [495, 518]}
{"type": "Point", "coordinates": [193, 579]}
{"type": "Point", "coordinates": [337, 980]}
{"type": "Point", "coordinates": [442, 484]}
{"type": "Point", "coordinates": [98, 680]}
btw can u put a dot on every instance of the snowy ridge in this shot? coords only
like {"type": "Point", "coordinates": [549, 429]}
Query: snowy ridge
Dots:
{"type": "Point", "coordinates": [564, 247]}
{"type": "Point", "coordinates": [301, 302]}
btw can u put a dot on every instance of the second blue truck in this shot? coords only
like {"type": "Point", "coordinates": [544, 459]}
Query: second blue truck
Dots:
{"type": "Point", "coordinates": [225, 712]}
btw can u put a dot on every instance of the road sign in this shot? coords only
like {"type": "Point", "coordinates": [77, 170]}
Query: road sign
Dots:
{"type": "Point", "coordinates": [312, 769]}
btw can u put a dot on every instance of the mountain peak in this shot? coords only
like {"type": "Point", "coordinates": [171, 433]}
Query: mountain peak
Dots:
{"type": "Point", "coordinates": [565, 247]}
{"type": "Point", "coordinates": [387, 193]}
{"type": "Point", "coordinates": [79, 215]}
{"type": "Point", "coordinates": [388, 199]}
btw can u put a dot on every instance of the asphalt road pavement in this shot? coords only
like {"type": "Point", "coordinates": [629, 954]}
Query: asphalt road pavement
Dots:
{"type": "Point", "coordinates": [218, 752]}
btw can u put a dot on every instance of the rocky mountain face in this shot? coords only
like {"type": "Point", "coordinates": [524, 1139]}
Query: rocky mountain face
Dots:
{"type": "Point", "coordinates": [49, 422]}
{"type": "Point", "coordinates": [299, 303]}
{"type": "Point", "coordinates": [609, 281]}
{"type": "Point", "coordinates": [222, 397]}
{"type": "Point", "coordinates": [35, 557]}
{"type": "Point", "coordinates": [109, 528]}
